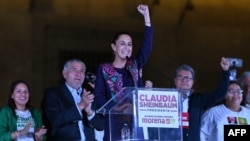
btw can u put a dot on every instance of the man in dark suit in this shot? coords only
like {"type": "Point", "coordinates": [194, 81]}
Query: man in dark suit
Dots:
{"type": "Point", "coordinates": [69, 108]}
{"type": "Point", "coordinates": [193, 104]}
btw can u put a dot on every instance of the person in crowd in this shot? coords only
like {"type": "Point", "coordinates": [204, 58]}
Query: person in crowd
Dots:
{"type": "Point", "coordinates": [123, 71]}
{"type": "Point", "coordinates": [245, 79]}
{"type": "Point", "coordinates": [194, 104]}
{"type": "Point", "coordinates": [246, 96]}
{"type": "Point", "coordinates": [230, 112]}
{"type": "Point", "coordinates": [19, 120]}
{"type": "Point", "coordinates": [70, 109]}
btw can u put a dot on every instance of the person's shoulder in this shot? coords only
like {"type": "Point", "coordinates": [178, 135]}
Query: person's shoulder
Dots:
{"type": "Point", "coordinates": [244, 108]}
{"type": "Point", "coordinates": [199, 94]}
{"type": "Point", "coordinates": [217, 110]}
{"type": "Point", "coordinates": [5, 107]}
{"type": "Point", "coordinates": [35, 110]}
{"type": "Point", "coordinates": [196, 95]}
{"type": "Point", "coordinates": [104, 63]}
{"type": "Point", "coordinates": [55, 89]}
{"type": "Point", "coordinates": [220, 106]}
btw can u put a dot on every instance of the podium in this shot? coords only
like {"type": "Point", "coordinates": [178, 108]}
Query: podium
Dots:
{"type": "Point", "coordinates": [152, 114]}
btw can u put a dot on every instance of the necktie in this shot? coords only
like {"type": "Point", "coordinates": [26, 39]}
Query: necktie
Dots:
{"type": "Point", "coordinates": [184, 94]}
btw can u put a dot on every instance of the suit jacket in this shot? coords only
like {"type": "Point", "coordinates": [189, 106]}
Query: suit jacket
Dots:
{"type": "Point", "coordinates": [198, 103]}
{"type": "Point", "coordinates": [63, 116]}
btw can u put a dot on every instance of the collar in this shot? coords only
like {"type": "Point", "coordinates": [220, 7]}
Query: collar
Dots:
{"type": "Point", "coordinates": [72, 90]}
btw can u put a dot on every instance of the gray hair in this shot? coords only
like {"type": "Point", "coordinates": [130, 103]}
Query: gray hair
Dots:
{"type": "Point", "coordinates": [186, 68]}
{"type": "Point", "coordinates": [67, 64]}
{"type": "Point", "coordinates": [243, 76]}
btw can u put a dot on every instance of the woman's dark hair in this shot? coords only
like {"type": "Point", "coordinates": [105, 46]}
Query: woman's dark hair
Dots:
{"type": "Point", "coordinates": [117, 35]}
{"type": "Point", "coordinates": [234, 82]}
{"type": "Point", "coordinates": [11, 102]}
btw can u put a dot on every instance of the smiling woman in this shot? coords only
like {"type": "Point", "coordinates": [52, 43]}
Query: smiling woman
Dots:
{"type": "Point", "coordinates": [123, 71]}
{"type": "Point", "coordinates": [27, 123]}
{"type": "Point", "coordinates": [230, 112]}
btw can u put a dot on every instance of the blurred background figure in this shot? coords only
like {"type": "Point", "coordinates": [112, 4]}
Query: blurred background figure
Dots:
{"type": "Point", "coordinates": [245, 79]}
{"type": "Point", "coordinates": [246, 96]}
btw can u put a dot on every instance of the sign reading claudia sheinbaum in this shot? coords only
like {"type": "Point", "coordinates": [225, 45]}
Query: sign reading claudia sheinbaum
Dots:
{"type": "Point", "coordinates": [158, 109]}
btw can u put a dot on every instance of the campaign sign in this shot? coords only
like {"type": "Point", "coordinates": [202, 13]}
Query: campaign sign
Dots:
{"type": "Point", "coordinates": [158, 109]}
{"type": "Point", "coordinates": [235, 132]}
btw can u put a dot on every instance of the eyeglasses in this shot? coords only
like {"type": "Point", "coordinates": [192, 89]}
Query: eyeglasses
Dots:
{"type": "Point", "coordinates": [186, 78]}
{"type": "Point", "coordinates": [232, 91]}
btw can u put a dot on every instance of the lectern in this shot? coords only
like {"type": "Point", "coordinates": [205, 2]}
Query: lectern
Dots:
{"type": "Point", "coordinates": [152, 114]}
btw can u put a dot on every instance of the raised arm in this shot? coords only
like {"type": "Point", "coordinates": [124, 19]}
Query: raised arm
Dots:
{"type": "Point", "coordinates": [213, 97]}
{"type": "Point", "coordinates": [143, 9]}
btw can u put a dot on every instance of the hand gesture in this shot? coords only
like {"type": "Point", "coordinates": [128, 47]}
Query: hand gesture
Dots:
{"type": "Point", "coordinates": [148, 84]}
{"type": "Point", "coordinates": [143, 9]}
{"type": "Point", "coordinates": [26, 128]}
{"type": "Point", "coordinates": [40, 132]}
{"type": "Point", "coordinates": [92, 85]}
{"type": "Point", "coordinates": [89, 110]}
{"type": "Point", "coordinates": [122, 107]}
{"type": "Point", "coordinates": [86, 99]}
{"type": "Point", "coordinates": [224, 64]}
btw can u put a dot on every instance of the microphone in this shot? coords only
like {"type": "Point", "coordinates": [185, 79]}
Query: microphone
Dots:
{"type": "Point", "coordinates": [128, 57]}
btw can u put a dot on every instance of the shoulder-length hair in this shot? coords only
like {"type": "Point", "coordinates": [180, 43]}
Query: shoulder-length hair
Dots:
{"type": "Point", "coordinates": [11, 102]}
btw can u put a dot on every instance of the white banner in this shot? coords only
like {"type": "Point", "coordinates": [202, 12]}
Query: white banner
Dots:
{"type": "Point", "coordinates": [158, 109]}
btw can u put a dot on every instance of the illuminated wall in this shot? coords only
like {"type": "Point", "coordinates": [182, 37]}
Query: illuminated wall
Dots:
{"type": "Point", "coordinates": [37, 35]}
